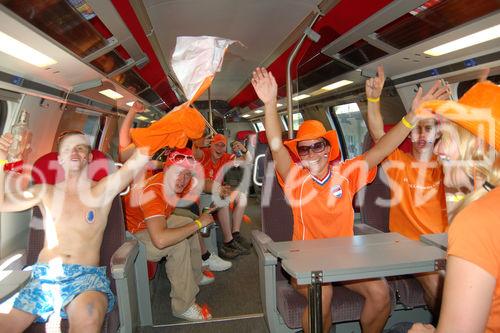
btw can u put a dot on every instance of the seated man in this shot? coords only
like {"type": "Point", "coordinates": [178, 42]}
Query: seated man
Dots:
{"type": "Point", "coordinates": [213, 159]}
{"type": "Point", "coordinates": [66, 278]}
{"type": "Point", "coordinates": [149, 209]}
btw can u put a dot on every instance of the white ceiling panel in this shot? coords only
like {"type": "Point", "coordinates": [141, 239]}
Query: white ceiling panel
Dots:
{"type": "Point", "coordinates": [261, 25]}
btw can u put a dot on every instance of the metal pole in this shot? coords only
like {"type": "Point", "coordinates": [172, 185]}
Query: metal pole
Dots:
{"type": "Point", "coordinates": [210, 112]}
{"type": "Point", "coordinates": [315, 303]}
{"type": "Point", "coordinates": [289, 77]}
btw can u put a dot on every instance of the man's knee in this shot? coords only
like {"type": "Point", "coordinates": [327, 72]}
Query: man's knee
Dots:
{"type": "Point", "coordinates": [88, 311]}
{"type": "Point", "coordinates": [378, 293]}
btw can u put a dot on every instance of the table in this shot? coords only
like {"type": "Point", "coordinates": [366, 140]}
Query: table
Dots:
{"type": "Point", "coordinates": [11, 282]}
{"type": "Point", "coordinates": [439, 240]}
{"type": "Point", "coordinates": [314, 262]}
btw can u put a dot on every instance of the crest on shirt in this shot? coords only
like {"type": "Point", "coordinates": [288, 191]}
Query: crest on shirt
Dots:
{"type": "Point", "coordinates": [336, 191]}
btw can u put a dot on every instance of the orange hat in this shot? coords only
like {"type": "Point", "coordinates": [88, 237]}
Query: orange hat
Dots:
{"type": "Point", "coordinates": [311, 130]}
{"type": "Point", "coordinates": [219, 138]}
{"type": "Point", "coordinates": [478, 111]}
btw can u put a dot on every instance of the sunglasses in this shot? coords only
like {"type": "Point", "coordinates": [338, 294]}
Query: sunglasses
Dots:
{"type": "Point", "coordinates": [317, 147]}
{"type": "Point", "coordinates": [179, 158]}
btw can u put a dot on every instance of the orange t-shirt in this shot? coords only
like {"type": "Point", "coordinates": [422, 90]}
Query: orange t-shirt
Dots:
{"type": "Point", "coordinates": [323, 208]}
{"type": "Point", "coordinates": [212, 169]}
{"type": "Point", "coordinates": [418, 204]}
{"type": "Point", "coordinates": [150, 200]}
{"type": "Point", "coordinates": [474, 236]}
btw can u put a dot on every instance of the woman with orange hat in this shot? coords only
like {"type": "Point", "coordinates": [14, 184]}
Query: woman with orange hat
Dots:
{"type": "Point", "coordinates": [469, 152]}
{"type": "Point", "coordinates": [320, 192]}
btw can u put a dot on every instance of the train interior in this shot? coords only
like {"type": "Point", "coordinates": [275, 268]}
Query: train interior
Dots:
{"type": "Point", "coordinates": [80, 64]}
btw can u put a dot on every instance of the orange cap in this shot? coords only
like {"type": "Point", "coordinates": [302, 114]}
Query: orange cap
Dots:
{"type": "Point", "coordinates": [312, 130]}
{"type": "Point", "coordinates": [478, 111]}
{"type": "Point", "coordinates": [219, 138]}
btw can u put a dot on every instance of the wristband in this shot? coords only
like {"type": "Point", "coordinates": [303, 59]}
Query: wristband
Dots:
{"type": "Point", "coordinates": [407, 123]}
{"type": "Point", "coordinates": [198, 223]}
{"type": "Point", "coordinates": [373, 100]}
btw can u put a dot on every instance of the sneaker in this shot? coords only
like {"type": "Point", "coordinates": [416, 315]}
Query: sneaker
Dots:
{"type": "Point", "coordinates": [237, 247]}
{"type": "Point", "coordinates": [207, 277]}
{"type": "Point", "coordinates": [216, 264]}
{"type": "Point", "coordinates": [227, 252]}
{"type": "Point", "coordinates": [243, 242]}
{"type": "Point", "coordinates": [196, 313]}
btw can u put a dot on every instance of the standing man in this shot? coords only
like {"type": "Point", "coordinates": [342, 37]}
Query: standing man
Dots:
{"type": "Point", "coordinates": [418, 204]}
{"type": "Point", "coordinates": [213, 159]}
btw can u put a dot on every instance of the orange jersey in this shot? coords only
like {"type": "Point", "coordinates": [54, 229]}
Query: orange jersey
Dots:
{"type": "Point", "coordinates": [150, 200]}
{"type": "Point", "coordinates": [418, 204]}
{"type": "Point", "coordinates": [474, 236]}
{"type": "Point", "coordinates": [210, 168]}
{"type": "Point", "coordinates": [323, 208]}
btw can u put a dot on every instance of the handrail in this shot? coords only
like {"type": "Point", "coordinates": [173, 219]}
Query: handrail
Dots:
{"type": "Point", "coordinates": [308, 32]}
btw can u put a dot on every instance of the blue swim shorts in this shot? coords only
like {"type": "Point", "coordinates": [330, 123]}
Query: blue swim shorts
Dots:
{"type": "Point", "coordinates": [52, 287]}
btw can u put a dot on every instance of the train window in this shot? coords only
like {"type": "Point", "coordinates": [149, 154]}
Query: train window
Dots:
{"type": "Point", "coordinates": [432, 18]}
{"type": "Point", "coordinates": [91, 129]}
{"type": "Point", "coordinates": [130, 80]}
{"type": "Point", "coordinates": [61, 21]}
{"type": "Point", "coordinates": [352, 126]}
{"type": "Point", "coordinates": [297, 120]}
{"type": "Point", "coordinates": [3, 114]}
{"type": "Point", "coordinates": [108, 62]}
{"type": "Point", "coordinates": [361, 52]}
{"type": "Point", "coordinates": [259, 126]}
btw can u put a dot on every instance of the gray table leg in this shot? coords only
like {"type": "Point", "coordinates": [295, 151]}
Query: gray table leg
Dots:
{"type": "Point", "coordinates": [315, 306]}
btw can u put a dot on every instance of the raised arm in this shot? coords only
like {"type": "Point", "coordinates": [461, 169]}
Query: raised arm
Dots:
{"type": "Point", "coordinates": [110, 186]}
{"type": "Point", "coordinates": [198, 145]}
{"type": "Point", "coordinates": [266, 88]}
{"type": "Point", "coordinates": [14, 202]}
{"type": "Point", "coordinates": [126, 147]}
{"type": "Point", "coordinates": [373, 88]}
{"type": "Point", "coordinates": [392, 139]}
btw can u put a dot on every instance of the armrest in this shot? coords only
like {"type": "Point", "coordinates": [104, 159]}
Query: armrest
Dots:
{"type": "Point", "coordinates": [365, 229]}
{"type": "Point", "coordinates": [260, 241]}
{"type": "Point", "coordinates": [15, 261]}
{"type": "Point", "coordinates": [122, 260]}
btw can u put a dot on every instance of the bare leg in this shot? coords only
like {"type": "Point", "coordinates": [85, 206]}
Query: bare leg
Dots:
{"type": "Point", "coordinates": [203, 247]}
{"type": "Point", "coordinates": [326, 304]}
{"type": "Point", "coordinates": [16, 321]}
{"type": "Point", "coordinates": [239, 210]}
{"type": "Point", "coordinates": [377, 306]}
{"type": "Point", "coordinates": [225, 223]}
{"type": "Point", "coordinates": [87, 311]}
{"type": "Point", "coordinates": [432, 283]}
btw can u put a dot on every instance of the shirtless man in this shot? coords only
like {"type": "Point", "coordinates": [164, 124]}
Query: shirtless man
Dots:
{"type": "Point", "coordinates": [66, 277]}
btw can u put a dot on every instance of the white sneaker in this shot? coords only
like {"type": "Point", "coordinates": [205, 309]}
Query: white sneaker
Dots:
{"type": "Point", "coordinates": [216, 264]}
{"type": "Point", "coordinates": [196, 313]}
{"type": "Point", "coordinates": [207, 277]}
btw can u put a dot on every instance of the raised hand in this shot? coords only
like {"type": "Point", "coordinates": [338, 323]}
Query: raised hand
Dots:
{"type": "Point", "coordinates": [437, 92]}
{"type": "Point", "coordinates": [374, 86]}
{"type": "Point", "coordinates": [265, 85]}
{"type": "Point", "coordinates": [137, 107]}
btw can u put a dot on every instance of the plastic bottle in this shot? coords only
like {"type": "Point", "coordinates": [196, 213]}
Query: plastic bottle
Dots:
{"type": "Point", "coordinates": [19, 132]}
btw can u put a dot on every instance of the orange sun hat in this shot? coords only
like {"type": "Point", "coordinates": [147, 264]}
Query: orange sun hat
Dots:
{"type": "Point", "coordinates": [312, 130]}
{"type": "Point", "coordinates": [478, 111]}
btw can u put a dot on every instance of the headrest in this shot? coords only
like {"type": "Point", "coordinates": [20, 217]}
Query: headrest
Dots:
{"type": "Point", "coordinates": [242, 135]}
{"type": "Point", "coordinates": [405, 145]}
{"type": "Point", "coordinates": [47, 169]}
{"type": "Point", "coordinates": [262, 137]}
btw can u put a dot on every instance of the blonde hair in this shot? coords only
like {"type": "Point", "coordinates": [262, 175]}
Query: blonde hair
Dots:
{"type": "Point", "coordinates": [481, 162]}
